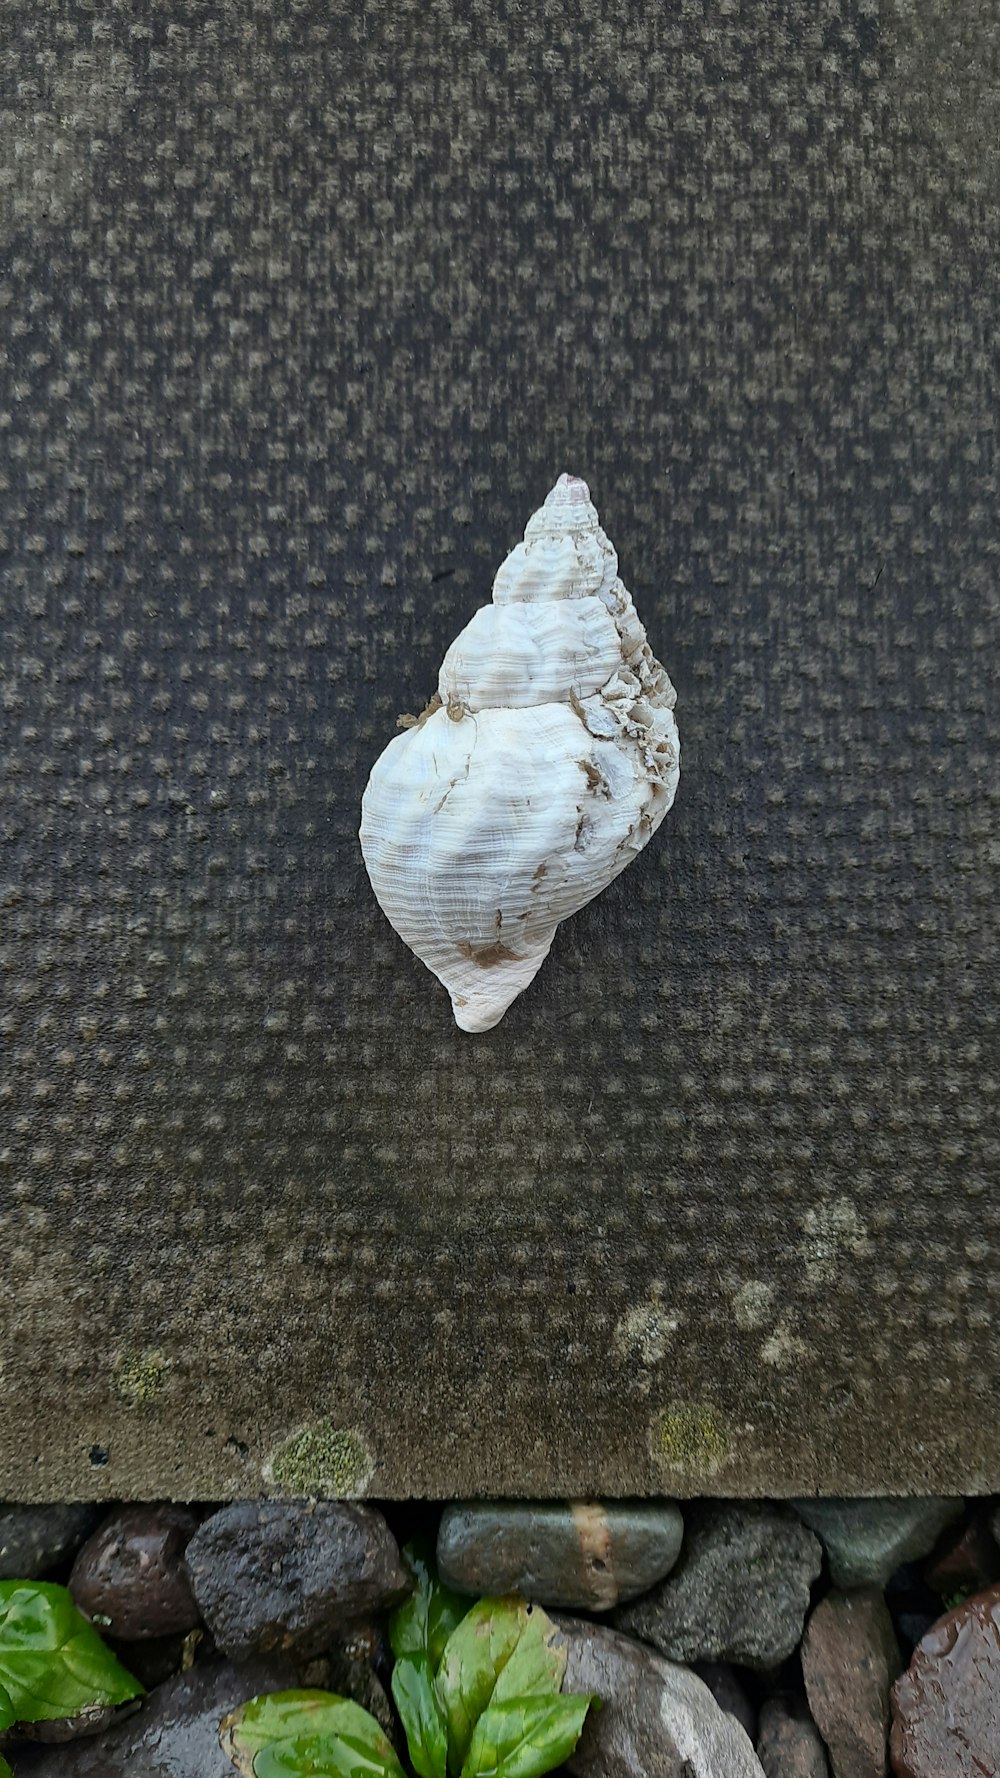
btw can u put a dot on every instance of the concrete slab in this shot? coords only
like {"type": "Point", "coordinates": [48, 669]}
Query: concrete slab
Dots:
{"type": "Point", "coordinates": [306, 307]}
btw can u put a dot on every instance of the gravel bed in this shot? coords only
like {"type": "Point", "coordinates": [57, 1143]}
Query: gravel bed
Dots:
{"type": "Point", "coordinates": [728, 1639]}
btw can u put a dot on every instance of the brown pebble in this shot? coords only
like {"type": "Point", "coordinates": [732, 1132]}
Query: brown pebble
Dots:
{"type": "Point", "coordinates": [789, 1743]}
{"type": "Point", "coordinates": [129, 1577]}
{"type": "Point", "coordinates": [946, 1707]}
{"type": "Point", "coordinates": [849, 1661]}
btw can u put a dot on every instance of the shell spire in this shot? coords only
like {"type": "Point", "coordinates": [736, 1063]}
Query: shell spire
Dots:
{"type": "Point", "coordinates": [545, 763]}
{"type": "Point", "coordinates": [564, 555]}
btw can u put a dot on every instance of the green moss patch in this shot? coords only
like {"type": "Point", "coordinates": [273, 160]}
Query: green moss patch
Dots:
{"type": "Point", "coordinates": [689, 1439]}
{"type": "Point", "coordinates": [139, 1377]}
{"type": "Point", "coordinates": [322, 1461]}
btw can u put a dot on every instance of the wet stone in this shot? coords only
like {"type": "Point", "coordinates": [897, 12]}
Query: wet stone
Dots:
{"type": "Point", "coordinates": [175, 1733]}
{"type": "Point", "coordinates": [657, 1720]}
{"type": "Point", "coordinates": [129, 1578]}
{"type": "Point", "coordinates": [290, 1577]}
{"type": "Point", "coordinates": [586, 1555]}
{"type": "Point", "coordinates": [849, 1662]}
{"type": "Point", "coordinates": [35, 1539]}
{"type": "Point", "coordinates": [789, 1744]}
{"type": "Point", "coordinates": [946, 1706]}
{"type": "Point", "coordinates": [966, 1559]}
{"type": "Point", "coordinates": [59, 1730]}
{"type": "Point", "coordinates": [866, 1540]}
{"type": "Point", "coordinates": [739, 1593]}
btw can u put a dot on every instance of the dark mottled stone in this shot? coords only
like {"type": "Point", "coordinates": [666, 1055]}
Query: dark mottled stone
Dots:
{"type": "Point", "coordinates": [174, 1735]}
{"type": "Point", "coordinates": [588, 1555]}
{"type": "Point", "coordinates": [729, 1692]}
{"type": "Point", "coordinates": [866, 1540]}
{"type": "Point", "coordinates": [290, 1577]}
{"type": "Point", "coordinates": [739, 1593]}
{"type": "Point", "coordinates": [911, 1627]}
{"type": "Point", "coordinates": [34, 1539]}
{"type": "Point", "coordinates": [129, 1577]}
{"type": "Point", "coordinates": [849, 1662]}
{"type": "Point", "coordinates": [58, 1731]}
{"type": "Point", "coordinates": [789, 1744]}
{"type": "Point", "coordinates": [157, 1658]}
{"type": "Point", "coordinates": [657, 1719]}
{"type": "Point", "coordinates": [349, 1670]}
{"type": "Point", "coordinates": [946, 1706]}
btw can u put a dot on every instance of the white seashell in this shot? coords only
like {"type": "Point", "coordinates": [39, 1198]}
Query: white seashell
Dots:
{"type": "Point", "coordinates": [544, 764]}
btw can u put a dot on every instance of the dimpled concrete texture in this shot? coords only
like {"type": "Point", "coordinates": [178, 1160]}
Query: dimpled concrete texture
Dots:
{"type": "Point", "coordinates": [305, 308]}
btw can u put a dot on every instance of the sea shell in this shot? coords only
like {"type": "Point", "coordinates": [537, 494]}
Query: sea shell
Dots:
{"type": "Point", "coordinates": [545, 762]}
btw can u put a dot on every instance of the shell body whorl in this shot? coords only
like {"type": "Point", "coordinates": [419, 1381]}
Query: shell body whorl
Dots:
{"type": "Point", "coordinates": [548, 759]}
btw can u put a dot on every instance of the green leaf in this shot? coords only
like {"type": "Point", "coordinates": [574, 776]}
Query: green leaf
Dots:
{"type": "Point", "coordinates": [418, 1632]}
{"type": "Point", "coordinates": [52, 1662]}
{"type": "Point", "coordinates": [416, 1698]}
{"type": "Point", "coordinates": [307, 1734]}
{"type": "Point", "coordinates": [525, 1736]}
{"type": "Point", "coordinates": [535, 1668]}
{"type": "Point", "coordinates": [423, 1623]}
{"type": "Point", "coordinates": [474, 1657]}
{"type": "Point", "coordinates": [6, 1712]}
{"type": "Point", "coordinates": [5, 1771]}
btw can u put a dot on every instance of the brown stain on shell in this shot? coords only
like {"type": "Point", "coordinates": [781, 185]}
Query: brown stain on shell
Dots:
{"type": "Point", "coordinates": [418, 721]}
{"type": "Point", "coordinates": [596, 780]}
{"type": "Point", "coordinates": [488, 956]}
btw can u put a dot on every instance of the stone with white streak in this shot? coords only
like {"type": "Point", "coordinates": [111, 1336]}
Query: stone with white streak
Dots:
{"type": "Point", "coordinates": [657, 1720]}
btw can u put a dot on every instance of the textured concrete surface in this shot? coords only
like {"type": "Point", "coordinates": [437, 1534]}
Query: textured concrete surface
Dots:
{"type": "Point", "coordinates": [304, 309]}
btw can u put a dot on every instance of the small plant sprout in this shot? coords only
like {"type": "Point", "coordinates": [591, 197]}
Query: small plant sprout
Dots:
{"type": "Point", "coordinates": [477, 1690]}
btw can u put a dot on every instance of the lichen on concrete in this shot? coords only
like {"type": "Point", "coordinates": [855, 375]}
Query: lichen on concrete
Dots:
{"type": "Point", "coordinates": [646, 1331]}
{"type": "Point", "coordinates": [139, 1377]}
{"type": "Point", "coordinates": [321, 1460]}
{"type": "Point", "coordinates": [689, 1439]}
